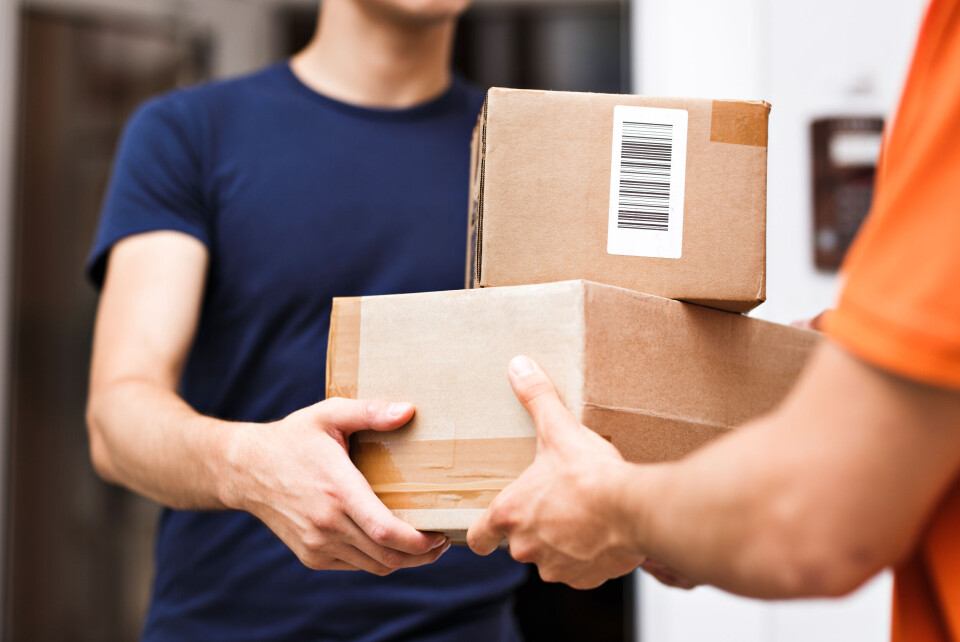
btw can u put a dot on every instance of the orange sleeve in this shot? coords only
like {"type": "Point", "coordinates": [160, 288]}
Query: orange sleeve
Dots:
{"type": "Point", "coordinates": [900, 306]}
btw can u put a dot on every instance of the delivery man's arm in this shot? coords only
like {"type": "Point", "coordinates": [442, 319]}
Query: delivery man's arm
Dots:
{"type": "Point", "coordinates": [839, 481]}
{"type": "Point", "coordinates": [293, 474]}
{"type": "Point", "coordinates": [811, 500]}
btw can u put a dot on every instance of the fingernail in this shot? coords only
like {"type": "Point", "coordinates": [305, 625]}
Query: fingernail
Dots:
{"type": "Point", "coordinates": [440, 542]}
{"type": "Point", "coordinates": [521, 366]}
{"type": "Point", "coordinates": [398, 409]}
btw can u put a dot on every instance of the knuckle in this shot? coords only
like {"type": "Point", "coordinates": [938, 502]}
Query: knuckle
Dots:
{"type": "Point", "coordinates": [587, 584]}
{"type": "Point", "coordinates": [380, 534]}
{"type": "Point", "coordinates": [370, 410]}
{"type": "Point", "coordinates": [504, 515]}
{"type": "Point", "coordinates": [523, 553]}
{"type": "Point", "coordinates": [325, 523]}
{"type": "Point", "coordinates": [535, 388]}
{"type": "Point", "coordinates": [315, 543]}
{"type": "Point", "coordinates": [314, 562]}
{"type": "Point", "coordinates": [549, 574]}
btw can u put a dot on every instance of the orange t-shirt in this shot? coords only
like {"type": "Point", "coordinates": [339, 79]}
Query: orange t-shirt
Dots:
{"type": "Point", "coordinates": [900, 306]}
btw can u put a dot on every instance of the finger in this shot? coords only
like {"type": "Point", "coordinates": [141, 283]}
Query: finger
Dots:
{"type": "Point", "coordinates": [392, 558]}
{"type": "Point", "coordinates": [537, 394]}
{"type": "Point", "coordinates": [587, 582]}
{"type": "Point", "coordinates": [327, 563]}
{"type": "Point", "coordinates": [352, 415]}
{"type": "Point", "coordinates": [338, 565]}
{"type": "Point", "coordinates": [483, 537]}
{"type": "Point", "coordinates": [595, 576]}
{"type": "Point", "coordinates": [379, 524]}
{"type": "Point", "coordinates": [353, 556]}
{"type": "Point", "coordinates": [553, 570]}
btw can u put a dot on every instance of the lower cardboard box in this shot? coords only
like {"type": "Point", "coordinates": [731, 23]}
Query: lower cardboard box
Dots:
{"type": "Point", "coordinates": [656, 377]}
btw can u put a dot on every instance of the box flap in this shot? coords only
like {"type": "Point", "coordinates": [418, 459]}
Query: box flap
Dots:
{"type": "Point", "coordinates": [686, 363]}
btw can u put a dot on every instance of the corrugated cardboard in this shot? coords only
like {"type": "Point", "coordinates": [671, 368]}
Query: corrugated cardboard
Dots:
{"type": "Point", "coordinates": [540, 197]}
{"type": "Point", "coordinates": [656, 377]}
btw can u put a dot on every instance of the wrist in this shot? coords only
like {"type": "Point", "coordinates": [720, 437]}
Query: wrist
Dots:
{"type": "Point", "coordinates": [627, 515]}
{"type": "Point", "coordinates": [233, 474]}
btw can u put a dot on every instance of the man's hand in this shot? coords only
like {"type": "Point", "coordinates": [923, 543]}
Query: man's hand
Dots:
{"type": "Point", "coordinates": [296, 476]}
{"type": "Point", "coordinates": [558, 514]}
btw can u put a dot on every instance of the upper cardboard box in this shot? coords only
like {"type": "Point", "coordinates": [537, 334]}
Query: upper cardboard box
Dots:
{"type": "Point", "coordinates": [658, 195]}
{"type": "Point", "coordinates": [657, 377]}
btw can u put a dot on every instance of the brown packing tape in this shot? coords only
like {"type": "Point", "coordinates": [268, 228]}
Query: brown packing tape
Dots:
{"type": "Point", "coordinates": [439, 474]}
{"type": "Point", "coordinates": [343, 351]}
{"type": "Point", "coordinates": [739, 122]}
{"type": "Point", "coordinates": [438, 499]}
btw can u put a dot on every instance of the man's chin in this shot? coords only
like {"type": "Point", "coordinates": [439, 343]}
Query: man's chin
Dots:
{"type": "Point", "coordinates": [418, 12]}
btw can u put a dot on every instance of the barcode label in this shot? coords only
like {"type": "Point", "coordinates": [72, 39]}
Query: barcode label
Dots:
{"type": "Point", "coordinates": [647, 178]}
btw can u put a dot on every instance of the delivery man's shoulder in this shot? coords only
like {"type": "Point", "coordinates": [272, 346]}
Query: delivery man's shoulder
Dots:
{"type": "Point", "coordinates": [898, 309]}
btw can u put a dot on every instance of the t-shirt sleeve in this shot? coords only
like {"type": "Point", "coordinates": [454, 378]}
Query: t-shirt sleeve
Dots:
{"type": "Point", "coordinates": [900, 305]}
{"type": "Point", "coordinates": [157, 182]}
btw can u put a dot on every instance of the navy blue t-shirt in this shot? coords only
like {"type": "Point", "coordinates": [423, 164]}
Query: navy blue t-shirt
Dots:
{"type": "Point", "coordinates": [298, 198]}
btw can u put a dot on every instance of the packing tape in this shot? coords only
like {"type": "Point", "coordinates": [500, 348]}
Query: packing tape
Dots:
{"type": "Point", "coordinates": [442, 473]}
{"type": "Point", "coordinates": [343, 348]}
{"type": "Point", "coordinates": [438, 499]}
{"type": "Point", "coordinates": [739, 122]}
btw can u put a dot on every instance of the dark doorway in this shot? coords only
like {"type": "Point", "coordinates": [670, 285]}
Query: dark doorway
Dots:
{"type": "Point", "coordinates": [78, 550]}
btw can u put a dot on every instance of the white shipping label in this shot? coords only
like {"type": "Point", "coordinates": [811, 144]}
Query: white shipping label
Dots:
{"type": "Point", "coordinates": [647, 178]}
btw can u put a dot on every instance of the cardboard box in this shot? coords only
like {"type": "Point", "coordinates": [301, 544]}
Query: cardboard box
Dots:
{"type": "Point", "coordinates": [657, 377]}
{"type": "Point", "coordinates": [658, 195]}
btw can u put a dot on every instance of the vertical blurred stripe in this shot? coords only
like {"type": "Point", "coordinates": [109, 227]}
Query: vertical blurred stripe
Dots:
{"type": "Point", "coordinates": [9, 46]}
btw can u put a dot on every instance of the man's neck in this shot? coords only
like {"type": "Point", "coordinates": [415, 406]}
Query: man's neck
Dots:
{"type": "Point", "coordinates": [363, 57]}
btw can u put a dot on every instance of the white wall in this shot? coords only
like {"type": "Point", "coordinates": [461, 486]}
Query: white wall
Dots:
{"type": "Point", "coordinates": [808, 59]}
{"type": "Point", "coordinates": [825, 57]}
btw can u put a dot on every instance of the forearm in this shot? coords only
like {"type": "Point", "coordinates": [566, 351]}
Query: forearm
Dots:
{"type": "Point", "coordinates": [765, 538]}
{"type": "Point", "coordinates": [146, 438]}
{"type": "Point", "coordinates": [811, 500]}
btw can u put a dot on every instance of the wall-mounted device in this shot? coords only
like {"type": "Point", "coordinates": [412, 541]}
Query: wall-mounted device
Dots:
{"type": "Point", "coordinates": [845, 153]}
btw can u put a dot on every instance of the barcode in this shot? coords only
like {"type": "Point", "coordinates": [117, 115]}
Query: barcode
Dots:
{"type": "Point", "coordinates": [646, 154]}
{"type": "Point", "coordinates": [648, 173]}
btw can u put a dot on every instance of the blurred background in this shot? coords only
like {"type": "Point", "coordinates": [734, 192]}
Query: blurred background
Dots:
{"type": "Point", "coordinates": [76, 561]}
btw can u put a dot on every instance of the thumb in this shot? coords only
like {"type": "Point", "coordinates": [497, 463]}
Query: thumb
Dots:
{"type": "Point", "coordinates": [483, 537]}
{"type": "Point", "coordinates": [352, 415]}
{"type": "Point", "coordinates": [537, 394]}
